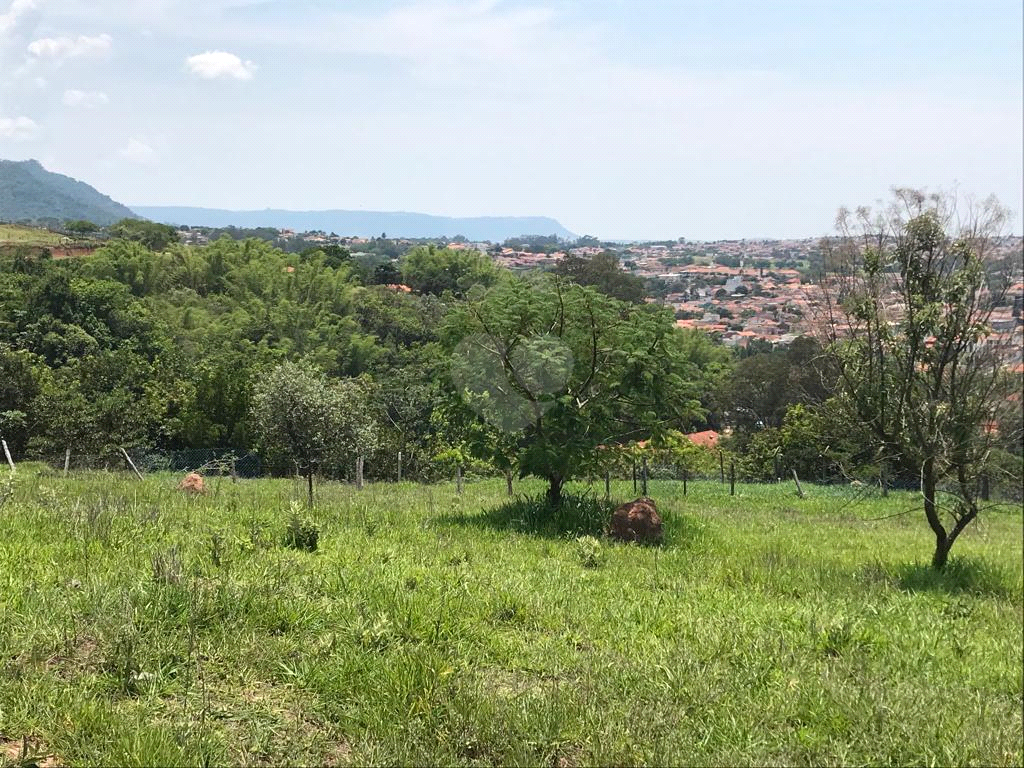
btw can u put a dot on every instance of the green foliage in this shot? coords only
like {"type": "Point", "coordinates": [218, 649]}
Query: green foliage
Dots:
{"type": "Point", "coordinates": [589, 551]}
{"type": "Point", "coordinates": [299, 533]}
{"type": "Point", "coordinates": [428, 269]}
{"type": "Point", "coordinates": [302, 416]}
{"type": "Point", "coordinates": [155, 237]}
{"type": "Point", "coordinates": [603, 272]}
{"type": "Point", "coordinates": [28, 192]}
{"type": "Point", "coordinates": [571, 369]}
{"type": "Point", "coordinates": [912, 299]}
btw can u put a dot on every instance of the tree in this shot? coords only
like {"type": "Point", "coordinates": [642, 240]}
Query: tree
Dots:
{"type": "Point", "coordinates": [316, 421]}
{"type": "Point", "coordinates": [154, 236]}
{"type": "Point", "coordinates": [603, 272]}
{"type": "Point", "coordinates": [428, 269]}
{"type": "Point", "coordinates": [569, 369]}
{"type": "Point", "coordinates": [909, 298]}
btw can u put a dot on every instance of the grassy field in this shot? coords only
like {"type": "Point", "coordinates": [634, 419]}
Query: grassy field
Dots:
{"type": "Point", "coordinates": [139, 626]}
{"type": "Point", "coordinates": [15, 234]}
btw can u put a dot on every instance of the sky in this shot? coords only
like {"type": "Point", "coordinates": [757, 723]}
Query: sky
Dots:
{"type": "Point", "coordinates": [621, 119]}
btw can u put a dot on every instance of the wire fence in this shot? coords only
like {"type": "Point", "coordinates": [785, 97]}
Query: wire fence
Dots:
{"type": "Point", "coordinates": [246, 464]}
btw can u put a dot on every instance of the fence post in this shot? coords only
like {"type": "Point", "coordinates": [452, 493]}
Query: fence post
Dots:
{"type": "Point", "coordinates": [984, 487]}
{"type": "Point", "coordinates": [685, 473]}
{"type": "Point", "coordinates": [126, 458]}
{"type": "Point", "coordinates": [607, 485]}
{"type": "Point", "coordinates": [645, 476]}
{"type": "Point", "coordinates": [234, 470]}
{"type": "Point", "coordinates": [799, 490]}
{"type": "Point", "coordinates": [399, 466]}
{"type": "Point", "coordinates": [67, 460]}
{"type": "Point", "coordinates": [359, 473]}
{"type": "Point", "coordinates": [458, 479]}
{"type": "Point", "coordinates": [732, 478]}
{"type": "Point", "coordinates": [634, 474]}
{"type": "Point", "coordinates": [7, 453]}
{"type": "Point", "coordinates": [721, 467]}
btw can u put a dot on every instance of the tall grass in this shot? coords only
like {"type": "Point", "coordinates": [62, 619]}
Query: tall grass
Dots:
{"type": "Point", "coordinates": [141, 626]}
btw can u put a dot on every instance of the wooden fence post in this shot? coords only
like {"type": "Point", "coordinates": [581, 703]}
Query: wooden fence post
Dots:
{"type": "Point", "coordinates": [634, 474]}
{"type": "Point", "coordinates": [685, 474]}
{"type": "Point", "coordinates": [644, 469]}
{"type": "Point", "coordinates": [721, 467]}
{"type": "Point", "coordinates": [799, 490]}
{"type": "Point", "coordinates": [67, 460]}
{"type": "Point", "coordinates": [458, 479]}
{"type": "Point", "coordinates": [359, 473]}
{"type": "Point", "coordinates": [7, 453]}
{"type": "Point", "coordinates": [130, 463]}
{"type": "Point", "coordinates": [399, 466]}
{"type": "Point", "coordinates": [732, 478]}
{"type": "Point", "coordinates": [607, 485]}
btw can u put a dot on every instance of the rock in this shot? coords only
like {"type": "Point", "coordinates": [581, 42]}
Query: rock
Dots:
{"type": "Point", "coordinates": [193, 483]}
{"type": "Point", "coordinates": [636, 521]}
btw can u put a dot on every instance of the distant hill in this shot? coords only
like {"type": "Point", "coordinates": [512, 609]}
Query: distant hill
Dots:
{"type": "Point", "coordinates": [362, 223]}
{"type": "Point", "coordinates": [29, 192]}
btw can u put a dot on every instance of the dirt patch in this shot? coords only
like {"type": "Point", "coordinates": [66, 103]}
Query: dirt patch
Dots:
{"type": "Point", "coordinates": [339, 755]}
{"type": "Point", "coordinates": [81, 655]}
{"type": "Point", "coordinates": [26, 752]}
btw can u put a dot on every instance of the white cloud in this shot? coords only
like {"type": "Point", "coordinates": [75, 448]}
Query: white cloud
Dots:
{"type": "Point", "coordinates": [138, 152]}
{"type": "Point", "coordinates": [18, 128]}
{"type": "Point", "coordinates": [68, 47]}
{"type": "Point", "coordinates": [214, 64]}
{"type": "Point", "coordinates": [75, 98]}
{"type": "Point", "coordinates": [18, 10]}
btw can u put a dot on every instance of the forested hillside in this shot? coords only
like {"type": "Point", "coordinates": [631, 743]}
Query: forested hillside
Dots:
{"type": "Point", "coordinates": [28, 192]}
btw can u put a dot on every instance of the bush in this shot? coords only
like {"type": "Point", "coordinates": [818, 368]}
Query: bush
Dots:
{"type": "Point", "coordinates": [589, 551]}
{"type": "Point", "coordinates": [300, 534]}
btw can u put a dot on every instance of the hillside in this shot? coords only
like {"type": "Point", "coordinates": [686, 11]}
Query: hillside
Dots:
{"type": "Point", "coordinates": [28, 192]}
{"type": "Point", "coordinates": [362, 223]}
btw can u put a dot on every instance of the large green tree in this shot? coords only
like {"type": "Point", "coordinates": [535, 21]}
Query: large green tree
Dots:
{"type": "Point", "coordinates": [910, 294]}
{"type": "Point", "coordinates": [568, 369]}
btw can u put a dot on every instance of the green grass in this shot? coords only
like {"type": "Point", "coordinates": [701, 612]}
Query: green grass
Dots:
{"type": "Point", "coordinates": [16, 234]}
{"type": "Point", "coordinates": [140, 626]}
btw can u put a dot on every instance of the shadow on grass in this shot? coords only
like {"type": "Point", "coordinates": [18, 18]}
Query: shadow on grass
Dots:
{"type": "Point", "coordinates": [960, 576]}
{"type": "Point", "coordinates": [580, 514]}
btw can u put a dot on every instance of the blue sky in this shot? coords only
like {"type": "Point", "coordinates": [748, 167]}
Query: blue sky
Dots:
{"type": "Point", "coordinates": [620, 119]}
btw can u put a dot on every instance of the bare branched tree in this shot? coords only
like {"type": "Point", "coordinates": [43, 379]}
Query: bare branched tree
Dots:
{"type": "Point", "coordinates": [909, 295]}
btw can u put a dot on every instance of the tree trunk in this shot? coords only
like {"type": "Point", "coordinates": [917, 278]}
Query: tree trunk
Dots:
{"type": "Point", "coordinates": [941, 555]}
{"type": "Point", "coordinates": [309, 486]}
{"type": "Point", "coordinates": [554, 494]}
{"type": "Point", "coordinates": [508, 482]}
{"type": "Point", "coordinates": [931, 513]}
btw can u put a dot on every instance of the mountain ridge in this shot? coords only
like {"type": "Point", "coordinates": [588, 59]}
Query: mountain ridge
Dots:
{"type": "Point", "coordinates": [29, 192]}
{"type": "Point", "coordinates": [361, 223]}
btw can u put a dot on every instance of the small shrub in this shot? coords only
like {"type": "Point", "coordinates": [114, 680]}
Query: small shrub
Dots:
{"type": "Point", "coordinates": [300, 534]}
{"type": "Point", "coordinates": [589, 551]}
{"type": "Point", "coordinates": [167, 567]}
